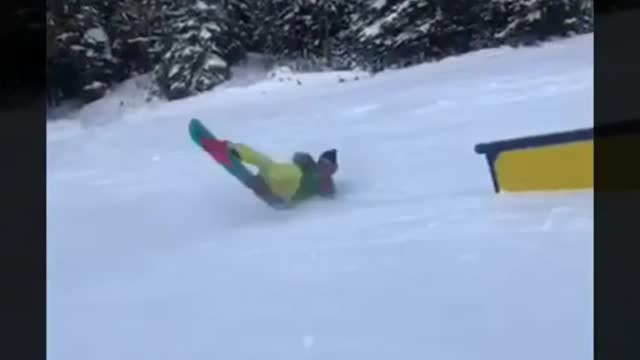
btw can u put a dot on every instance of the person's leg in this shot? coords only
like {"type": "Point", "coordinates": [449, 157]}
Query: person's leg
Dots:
{"type": "Point", "coordinates": [283, 179]}
{"type": "Point", "coordinates": [262, 190]}
{"type": "Point", "coordinates": [253, 157]}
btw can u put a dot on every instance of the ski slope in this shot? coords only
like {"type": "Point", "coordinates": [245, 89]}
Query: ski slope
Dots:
{"type": "Point", "coordinates": [154, 252]}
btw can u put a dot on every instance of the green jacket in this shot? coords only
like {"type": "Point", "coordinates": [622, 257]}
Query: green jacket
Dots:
{"type": "Point", "coordinates": [313, 181]}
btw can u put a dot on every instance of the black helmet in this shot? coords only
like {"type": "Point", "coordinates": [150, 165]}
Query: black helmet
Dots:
{"type": "Point", "coordinates": [330, 155]}
{"type": "Point", "coordinates": [328, 162]}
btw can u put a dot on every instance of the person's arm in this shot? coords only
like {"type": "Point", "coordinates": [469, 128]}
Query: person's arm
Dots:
{"type": "Point", "coordinates": [303, 160]}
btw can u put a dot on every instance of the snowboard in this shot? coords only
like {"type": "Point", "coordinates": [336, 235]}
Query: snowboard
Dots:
{"type": "Point", "coordinates": [222, 154]}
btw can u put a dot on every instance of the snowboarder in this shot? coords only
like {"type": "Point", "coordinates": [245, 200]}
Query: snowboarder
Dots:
{"type": "Point", "coordinates": [280, 185]}
{"type": "Point", "coordinates": [290, 182]}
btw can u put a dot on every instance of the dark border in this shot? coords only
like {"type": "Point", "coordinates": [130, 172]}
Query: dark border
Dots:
{"type": "Point", "coordinates": [23, 162]}
{"type": "Point", "coordinates": [616, 214]}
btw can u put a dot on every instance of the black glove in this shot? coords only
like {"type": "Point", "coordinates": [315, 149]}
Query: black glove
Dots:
{"type": "Point", "coordinates": [303, 160]}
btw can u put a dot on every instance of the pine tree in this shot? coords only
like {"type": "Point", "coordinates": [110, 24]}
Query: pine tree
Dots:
{"type": "Point", "coordinates": [390, 33]}
{"type": "Point", "coordinates": [305, 29]}
{"type": "Point", "coordinates": [131, 28]}
{"type": "Point", "coordinates": [246, 20]}
{"type": "Point", "coordinates": [517, 22]}
{"type": "Point", "coordinates": [84, 51]}
{"type": "Point", "coordinates": [197, 50]}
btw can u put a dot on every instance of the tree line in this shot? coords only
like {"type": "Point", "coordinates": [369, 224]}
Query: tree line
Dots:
{"type": "Point", "coordinates": [189, 45]}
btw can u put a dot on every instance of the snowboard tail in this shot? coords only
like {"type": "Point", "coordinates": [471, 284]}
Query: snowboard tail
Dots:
{"type": "Point", "coordinates": [219, 150]}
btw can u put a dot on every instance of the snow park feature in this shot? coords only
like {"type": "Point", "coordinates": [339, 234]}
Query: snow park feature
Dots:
{"type": "Point", "coordinates": [155, 252]}
{"type": "Point", "coordinates": [549, 162]}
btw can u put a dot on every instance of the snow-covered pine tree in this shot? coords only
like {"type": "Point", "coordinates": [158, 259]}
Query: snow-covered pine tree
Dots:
{"type": "Point", "coordinates": [197, 50]}
{"type": "Point", "coordinates": [341, 50]}
{"type": "Point", "coordinates": [390, 33]}
{"type": "Point", "coordinates": [246, 18]}
{"type": "Point", "coordinates": [131, 28]}
{"type": "Point", "coordinates": [518, 22]}
{"type": "Point", "coordinates": [84, 50]}
{"type": "Point", "coordinates": [302, 30]}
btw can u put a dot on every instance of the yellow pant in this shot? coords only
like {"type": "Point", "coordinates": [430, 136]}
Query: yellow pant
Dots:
{"type": "Point", "coordinates": [283, 179]}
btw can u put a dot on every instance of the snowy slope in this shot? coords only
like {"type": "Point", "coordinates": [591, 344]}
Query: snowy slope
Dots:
{"type": "Point", "coordinates": [155, 253]}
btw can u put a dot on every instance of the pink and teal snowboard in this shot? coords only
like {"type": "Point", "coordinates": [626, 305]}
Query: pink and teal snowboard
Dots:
{"type": "Point", "coordinates": [219, 150]}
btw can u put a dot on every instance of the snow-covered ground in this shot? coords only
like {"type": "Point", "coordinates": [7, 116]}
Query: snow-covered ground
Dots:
{"type": "Point", "coordinates": [156, 253]}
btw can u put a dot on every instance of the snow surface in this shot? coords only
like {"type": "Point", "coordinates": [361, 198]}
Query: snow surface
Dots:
{"type": "Point", "coordinates": [156, 253]}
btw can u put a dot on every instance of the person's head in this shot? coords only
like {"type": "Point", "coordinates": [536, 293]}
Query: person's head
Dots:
{"type": "Point", "coordinates": [328, 162]}
{"type": "Point", "coordinates": [327, 166]}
